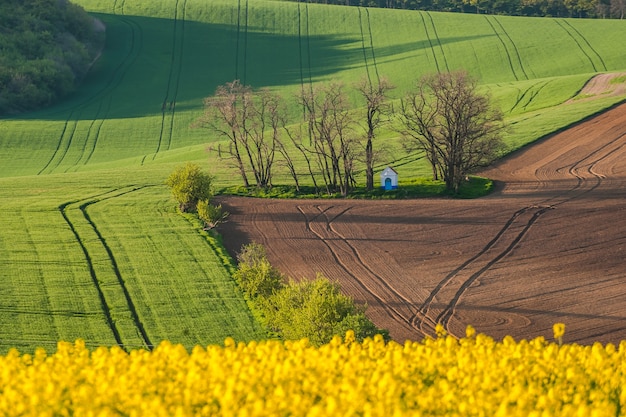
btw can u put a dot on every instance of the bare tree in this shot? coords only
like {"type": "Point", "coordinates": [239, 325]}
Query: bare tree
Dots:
{"type": "Point", "coordinates": [455, 125]}
{"type": "Point", "coordinates": [251, 123]}
{"type": "Point", "coordinates": [376, 111]}
{"type": "Point", "coordinates": [331, 140]}
{"type": "Point", "coordinates": [618, 8]}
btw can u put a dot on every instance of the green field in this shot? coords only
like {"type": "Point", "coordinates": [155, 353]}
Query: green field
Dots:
{"type": "Point", "coordinates": [91, 244]}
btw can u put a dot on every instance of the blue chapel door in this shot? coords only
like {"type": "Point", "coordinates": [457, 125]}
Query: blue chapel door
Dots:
{"type": "Point", "coordinates": [387, 184]}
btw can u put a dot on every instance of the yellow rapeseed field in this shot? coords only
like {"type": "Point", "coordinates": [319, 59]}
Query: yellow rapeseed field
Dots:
{"type": "Point", "coordinates": [473, 376]}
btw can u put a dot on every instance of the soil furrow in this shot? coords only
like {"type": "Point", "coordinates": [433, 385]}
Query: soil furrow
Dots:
{"type": "Point", "coordinates": [507, 264]}
{"type": "Point", "coordinates": [336, 249]}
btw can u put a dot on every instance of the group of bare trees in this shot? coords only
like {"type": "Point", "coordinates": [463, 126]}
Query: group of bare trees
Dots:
{"type": "Point", "coordinates": [444, 116]}
{"type": "Point", "coordinates": [452, 124]}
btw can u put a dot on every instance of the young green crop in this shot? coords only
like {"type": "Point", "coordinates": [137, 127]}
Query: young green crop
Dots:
{"type": "Point", "coordinates": [113, 263]}
{"type": "Point", "coordinates": [90, 170]}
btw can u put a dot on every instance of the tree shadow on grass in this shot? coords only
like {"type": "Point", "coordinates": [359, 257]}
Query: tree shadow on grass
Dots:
{"type": "Point", "coordinates": [150, 66]}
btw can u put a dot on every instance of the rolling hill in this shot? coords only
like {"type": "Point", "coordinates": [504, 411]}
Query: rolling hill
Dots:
{"type": "Point", "coordinates": [91, 244]}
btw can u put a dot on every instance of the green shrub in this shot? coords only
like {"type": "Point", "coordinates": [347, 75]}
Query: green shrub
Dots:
{"type": "Point", "coordinates": [48, 50]}
{"type": "Point", "coordinates": [189, 185]}
{"type": "Point", "coordinates": [212, 216]}
{"type": "Point", "coordinates": [255, 276]}
{"type": "Point", "coordinates": [316, 310]}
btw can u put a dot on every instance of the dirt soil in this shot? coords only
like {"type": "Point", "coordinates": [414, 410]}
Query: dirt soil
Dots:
{"type": "Point", "coordinates": [547, 246]}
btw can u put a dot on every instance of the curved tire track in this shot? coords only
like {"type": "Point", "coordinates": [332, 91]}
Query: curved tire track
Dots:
{"type": "Point", "coordinates": [583, 44]}
{"type": "Point", "coordinates": [450, 290]}
{"type": "Point", "coordinates": [430, 42]}
{"type": "Point", "coordinates": [394, 304]}
{"type": "Point", "coordinates": [66, 138]}
{"type": "Point", "coordinates": [509, 53]}
{"type": "Point", "coordinates": [438, 41]}
{"type": "Point", "coordinates": [96, 272]}
{"type": "Point", "coordinates": [364, 48]}
{"type": "Point", "coordinates": [168, 108]}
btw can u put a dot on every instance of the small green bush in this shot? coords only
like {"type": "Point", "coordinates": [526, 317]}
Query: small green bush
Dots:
{"type": "Point", "coordinates": [313, 309]}
{"type": "Point", "coordinates": [189, 185]}
{"type": "Point", "coordinates": [255, 276]}
{"type": "Point", "coordinates": [316, 310]}
{"type": "Point", "coordinates": [210, 215]}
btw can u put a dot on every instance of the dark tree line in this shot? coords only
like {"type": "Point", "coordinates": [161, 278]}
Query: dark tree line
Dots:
{"type": "Point", "coordinates": [615, 9]}
{"type": "Point", "coordinates": [444, 116]}
{"type": "Point", "coordinates": [46, 47]}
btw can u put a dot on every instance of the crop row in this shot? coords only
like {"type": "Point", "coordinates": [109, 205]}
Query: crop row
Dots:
{"type": "Point", "coordinates": [114, 266]}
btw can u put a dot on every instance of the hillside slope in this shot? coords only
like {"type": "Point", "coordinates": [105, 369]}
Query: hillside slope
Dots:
{"type": "Point", "coordinates": [91, 244]}
{"type": "Point", "coordinates": [163, 57]}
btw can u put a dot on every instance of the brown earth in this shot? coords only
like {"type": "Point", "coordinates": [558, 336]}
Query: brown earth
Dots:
{"type": "Point", "coordinates": [547, 246]}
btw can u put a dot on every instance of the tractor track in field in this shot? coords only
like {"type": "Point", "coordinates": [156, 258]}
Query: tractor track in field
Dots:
{"type": "Point", "coordinates": [349, 259]}
{"type": "Point", "coordinates": [168, 108]}
{"type": "Point", "coordinates": [515, 229]}
{"type": "Point", "coordinates": [309, 75]}
{"type": "Point", "coordinates": [369, 47]}
{"type": "Point", "coordinates": [83, 205]}
{"type": "Point", "coordinates": [510, 51]}
{"type": "Point", "coordinates": [103, 303]}
{"type": "Point", "coordinates": [66, 137]}
{"type": "Point", "coordinates": [238, 46]}
{"type": "Point", "coordinates": [456, 283]}
{"type": "Point", "coordinates": [436, 44]}
{"type": "Point", "coordinates": [547, 245]}
{"type": "Point", "coordinates": [528, 96]}
{"type": "Point", "coordinates": [369, 29]}
{"type": "Point", "coordinates": [583, 44]}
{"type": "Point", "coordinates": [364, 48]}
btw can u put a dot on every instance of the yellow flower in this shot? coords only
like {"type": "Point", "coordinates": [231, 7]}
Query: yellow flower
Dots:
{"type": "Point", "coordinates": [470, 331]}
{"type": "Point", "coordinates": [559, 330]}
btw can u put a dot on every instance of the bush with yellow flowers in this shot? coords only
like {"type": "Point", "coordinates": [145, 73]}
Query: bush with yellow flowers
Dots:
{"type": "Point", "coordinates": [445, 376]}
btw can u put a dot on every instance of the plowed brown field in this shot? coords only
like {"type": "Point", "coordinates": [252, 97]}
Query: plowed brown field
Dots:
{"type": "Point", "coordinates": [547, 246]}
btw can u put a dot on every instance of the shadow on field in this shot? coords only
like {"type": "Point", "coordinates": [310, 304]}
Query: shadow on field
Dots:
{"type": "Point", "coordinates": [151, 66]}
